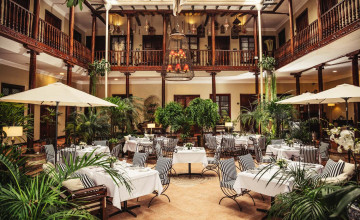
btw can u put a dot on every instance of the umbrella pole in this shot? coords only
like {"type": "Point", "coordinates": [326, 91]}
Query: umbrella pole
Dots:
{"type": "Point", "coordinates": [308, 105]}
{"type": "Point", "coordinates": [56, 130]}
{"type": "Point", "coordinates": [347, 110]}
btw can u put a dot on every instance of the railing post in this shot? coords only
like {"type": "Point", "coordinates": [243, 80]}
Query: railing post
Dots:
{"type": "Point", "coordinates": [128, 40]}
{"type": "Point", "coordinates": [213, 39]}
{"type": "Point", "coordinates": [319, 19]}
{"type": "Point", "coordinates": [71, 30]}
{"type": "Point", "coordinates": [355, 77]}
{"type": "Point", "coordinates": [127, 75]}
{"type": "Point", "coordinates": [320, 88]}
{"type": "Point", "coordinates": [35, 24]}
{"type": "Point", "coordinates": [164, 38]}
{"type": "Point", "coordinates": [291, 20]}
{"type": "Point", "coordinates": [163, 90]}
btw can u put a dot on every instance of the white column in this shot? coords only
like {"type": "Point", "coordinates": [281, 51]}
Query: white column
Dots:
{"type": "Point", "coordinates": [107, 7]}
{"type": "Point", "coordinates": [258, 7]}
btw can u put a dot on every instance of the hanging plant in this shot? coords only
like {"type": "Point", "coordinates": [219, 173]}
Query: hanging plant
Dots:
{"type": "Point", "coordinates": [268, 64]}
{"type": "Point", "coordinates": [74, 3]}
{"type": "Point", "coordinates": [96, 70]}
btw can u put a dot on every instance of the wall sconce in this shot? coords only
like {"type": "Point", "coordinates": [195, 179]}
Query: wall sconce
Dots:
{"type": "Point", "coordinates": [226, 24]}
{"type": "Point", "coordinates": [13, 131]}
{"type": "Point", "coordinates": [151, 126]}
{"type": "Point", "coordinates": [228, 125]}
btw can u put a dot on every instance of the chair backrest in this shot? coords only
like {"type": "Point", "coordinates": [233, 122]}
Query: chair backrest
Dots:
{"type": "Point", "coordinates": [217, 154]}
{"type": "Point", "coordinates": [228, 143]}
{"type": "Point", "coordinates": [139, 159]}
{"type": "Point", "coordinates": [163, 166]}
{"type": "Point", "coordinates": [158, 149]}
{"type": "Point", "coordinates": [102, 143]}
{"type": "Point", "coordinates": [257, 148]}
{"type": "Point", "coordinates": [277, 141]}
{"type": "Point", "coordinates": [211, 142]}
{"type": "Point", "coordinates": [309, 154]}
{"type": "Point", "coordinates": [116, 151]}
{"type": "Point", "coordinates": [50, 153]}
{"type": "Point", "coordinates": [68, 154]}
{"type": "Point", "coordinates": [227, 170]}
{"type": "Point", "coordinates": [262, 142]}
{"type": "Point", "coordinates": [172, 142]}
{"type": "Point", "coordinates": [324, 150]}
{"type": "Point", "coordinates": [246, 162]}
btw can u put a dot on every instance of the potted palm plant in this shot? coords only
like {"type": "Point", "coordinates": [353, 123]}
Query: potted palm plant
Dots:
{"type": "Point", "coordinates": [96, 70]}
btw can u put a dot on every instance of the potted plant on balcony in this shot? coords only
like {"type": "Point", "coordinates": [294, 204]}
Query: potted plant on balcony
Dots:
{"type": "Point", "coordinates": [96, 70]}
{"type": "Point", "coordinates": [268, 65]}
{"type": "Point", "coordinates": [71, 3]}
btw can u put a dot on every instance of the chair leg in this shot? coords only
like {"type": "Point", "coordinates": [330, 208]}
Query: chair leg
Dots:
{"type": "Point", "coordinates": [152, 200]}
{"type": "Point", "coordinates": [166, 196]}
{"type": "Point", "coordinates": [262, 197]}
{"type": "Point", "coordinates": [251, 197]}
{"type": "Point", "coordinates": [172, 169]}
{"type": "Point", "coordinates": [232, 199]}
{"type": "Point", "coordinates": [222, 199]}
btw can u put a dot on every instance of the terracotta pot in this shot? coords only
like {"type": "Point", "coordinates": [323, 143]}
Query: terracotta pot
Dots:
{"type": "Point", "coordinates": [111, 146]}
{"type": "Point", "coordinates": [37, 148]}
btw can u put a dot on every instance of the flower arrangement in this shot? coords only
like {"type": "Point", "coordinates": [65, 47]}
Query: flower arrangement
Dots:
{"type": "Point", "coordinates": [82, 143]}
{"type": "Point", "coordinates": [345, 138]}
{"type": "Point", "coordinates": [282, 163]}
{"type": "Point", "coordinates": [112, 160]}
{"type": "Point", "coordinates": [189, 145]}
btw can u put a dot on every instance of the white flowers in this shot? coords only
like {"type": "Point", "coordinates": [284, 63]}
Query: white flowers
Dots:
{"type": "Point", "coordinates": [345, 139]}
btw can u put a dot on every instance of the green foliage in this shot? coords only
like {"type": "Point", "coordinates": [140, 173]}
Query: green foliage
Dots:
{"type": "Point", "coordinates": [74, 3]}
{"type": "Point", "coordinates": [87, 127]}
{"type": "Point", "coordinates": [96, 70]}
{"type": "Point", "coordinates": [150, 105]}
{"type": "Point", "coordinates": [170, 115]}
{"type": "Point", "coordinates": [113, 141]}
{"type": "Point", "coordinates": [203, 113]}
{"type": "Point", "coordinates": [268, 63]}
{"type": "Point", "coordinates": [125, 116]}
{"type": "Point", "coordinates": [272, 117]}
{"type": "Point", "coordinates": [302, 131]}
{"type": "Point", "coordinates": [13, 114]}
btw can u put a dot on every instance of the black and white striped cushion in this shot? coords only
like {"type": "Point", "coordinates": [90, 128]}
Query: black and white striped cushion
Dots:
{"type": "Point", "coordinates": [139, 159]}
{"type": "Point", "coordinates": [116, 150]}
{"type": "Point", "coordinates": [228, 169]}
{"type": "Point", "coordinates": [246, 162]}
{"type": "Point", "coordinates": [85, 180]}
{"type": "Point", "coordinates": [62, 167]}
{"type": "Point", "coordinates": [333, 168]}
{"type": "Point", "coordinates": [50, 153]}
{"type": "Point", "coordinates": [309, 154]}
{"type": "Point", "coordinates": [163, 166]}
{"type": "Point", "coordinates": [228, 184]}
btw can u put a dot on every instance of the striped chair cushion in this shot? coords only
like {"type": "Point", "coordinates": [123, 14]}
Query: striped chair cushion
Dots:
{"type": "Point", "coordinates": [333, 168]}
{"type": "Point", "coordinates": [228, 169]}
{"type": "Point", "coordinates": [62, 167]}
{"type": "Point", "coordinates": [139, 159]}
{"type": "Point", "coordinates": [227, 184]}
{"type": "Point", "coordinates": [323, 150]}
{"type": "Point", "coordinates": [158, 150]}
{"type": "Point", "coordinates": [246, 162]}
{"type": "Point", "coordinates": [320, 176]}
{"type": "Point", "coordinates": [116, 150]}
{"type": "Point", "coordinates": [50, 153]}
{"type": "Point", "coordinates": [212, 160]}
{"type": "Point", "coordinates": [310, 154]}
{"type": "Point", "coordinates": [163, 166]}
{"type": "Point", "coordinates": [85, 180]}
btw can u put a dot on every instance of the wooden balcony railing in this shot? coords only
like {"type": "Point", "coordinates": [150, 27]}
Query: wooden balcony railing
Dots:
{"type": "Point", "coordinates": [200, 58]}
{"type": "Point", "coordinates": [333, 22]}
{"type": "Point", "coordinates": [18, 20]}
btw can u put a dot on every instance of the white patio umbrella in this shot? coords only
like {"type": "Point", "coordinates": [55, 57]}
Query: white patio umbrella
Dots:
{"type": "Point", "coordinates": [339, 94]}
{"type": "Point", "coordinates": [56, 94]}
{"type": "Point", "coordinates": [302, 99]}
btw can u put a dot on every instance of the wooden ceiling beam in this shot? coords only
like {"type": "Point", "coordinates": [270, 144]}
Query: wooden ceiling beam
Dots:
{"type": "Point", "coordinates": [206, 20]}
{"type": "Point", "coordinates": [157, 7]}
{"type": "Point", "coordinates": [246, 22]}
{"type": "Point", "coordinates": [252, 7]}
{"type": "Point", "coordinates": [95, 12]}
{"type": "Point", "coordinates": [216, 8]}
{"type": "Point", "coordinates": [100, 7]}
{"type": "Point", "coordinates": [133, 7]}
{"type": "Point", "coordinates": [145, 7]}
{"type": "Point", "coordinates": [138, 20]}
{"type": "Point", "coordinates": [278, 5]}
{"type": "Point", "coordinates": [228, 7]}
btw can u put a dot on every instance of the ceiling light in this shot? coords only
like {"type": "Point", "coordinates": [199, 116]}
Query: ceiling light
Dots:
{"type": "Point", "coordinates": [116, 79]}
{"type": "Point", "coordinates": [62, 74]}
{"type": "Point", "coordinates": [334, 71]}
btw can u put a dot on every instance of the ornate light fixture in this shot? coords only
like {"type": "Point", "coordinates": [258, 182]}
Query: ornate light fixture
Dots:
{"type": "Point", "coordinates": [177, 64]}
{"type": "Point", "coordinates": [226, 24]}
{"type": "Point", "coordinates": [237, 22]}
{"type": "Point", "coordinates": [147, 26]}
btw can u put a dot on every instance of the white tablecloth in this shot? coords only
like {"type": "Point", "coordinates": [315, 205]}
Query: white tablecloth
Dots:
{"type": "Point", "coordinates": [136, 145]}
{"type": "Point", "coordinates": [142, 183]}
{"type": "Point", "coordinates": [245, 180]}
{"type": "Point", "coordinates": [195, 155]}
{"type": "Point", "coordinates": [283, 151]}
{"type": "Point", "coordinates": [89, 149]}
{"type": "Point", "coordinates": [239, 141]}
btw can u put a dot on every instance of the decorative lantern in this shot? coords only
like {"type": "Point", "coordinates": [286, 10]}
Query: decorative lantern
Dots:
{"type": "Point", "coordinates": [226, 24]}
{"type": "Point", "coordinates": [237, 22]}
{"type": "Point", "coordinates": [177, 66]}
{"type": "Point", "coordinates": [193, 28]}
{"type": "Point", "coordinates": [147, 26]}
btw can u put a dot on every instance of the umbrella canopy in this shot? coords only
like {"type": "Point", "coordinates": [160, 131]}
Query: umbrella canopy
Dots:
{"type": "Point", "coordinates": [299, 99]}
{"type": "Point", "coordinates": [340, 93]}
{"type": "Point", "coordinates": [56, 93]}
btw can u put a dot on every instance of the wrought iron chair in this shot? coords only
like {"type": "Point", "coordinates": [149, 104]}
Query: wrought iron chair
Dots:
{"type": "Point", "coordinates": [227, 177]}
{"type": "Point", "coordinates": [258, 143]}
{"type": "Point", "coordinates": [50, 153]}
{"type": "Point", "coordinates": [139, 159]}
{"type": "Point", "coordinates": [68, 154]}
{"type": "Point", "coordinates": [163, 166]}
{"type": "Point", "coordinates": [158, 145]}
{"type": "Point", "coordinates": [309, 154]}
{"type": "Point", "coordinates": [228, 146]}
{"type": "Point", "coordinates": [324, 151]}
{"type": "Point", "coordinates": [211, 143]}
{"type": "Point", "coordinates": [213, 162]}
{"type": "Point", "coordinates": [169, 149]}
{"type": "Point", "coordinates": [116, 151]}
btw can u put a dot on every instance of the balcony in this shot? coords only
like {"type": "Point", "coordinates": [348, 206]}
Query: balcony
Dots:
{"type": "Point", "coordinates": [16, 23]}
{"type": "Point", "coordinates": [152, 60]}
{"type": "Point", "coordinates": [340, 20]}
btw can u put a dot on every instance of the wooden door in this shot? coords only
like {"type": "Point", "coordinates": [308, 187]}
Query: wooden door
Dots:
{"type": "Point", "coordinates": [152, 44]}
{"type": "Point", "coordinates": [326, 5]}
{"type": "Point", "coordinates": [222, 45]}
{"type": "Point", "coordinates": [302, 21]}
{"type": "Point", "coordinates": [184, 100]}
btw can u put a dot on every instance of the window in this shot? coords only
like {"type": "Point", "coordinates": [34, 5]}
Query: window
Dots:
{"type": "Point", "coordinates": [281, 37]}
{"type": "Point", "coordinates": [247, 43]}
{"type": "Point", "coordinates": [302, 21]}
{"type": "Point", "coordinates": [52, 19]}
{"type": "Point", "coordinates": [184, 100]}
{"type": "Point", "coordinates": [224, 103]}
{"type": "Point", "coordinates": [193, 42]}
{"type": "Point", "coordinates": [9, 89]}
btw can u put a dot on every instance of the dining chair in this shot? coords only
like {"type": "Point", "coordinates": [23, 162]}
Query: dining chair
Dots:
{"type": "Point", "coordinates": [68, 154]}
{"type": "Point", "coordinates": [227, 178]}
{"type": "Point", "coordinates": [228, 146]}
{"type": "Point", "coordinates": [50, 153]}
{"type": "Point", "coordinates": [246, 162]}
{"type": "Point", "coordinates": [260, 158]}
{"type": "Point", "coordinates": [169, 149]}
{"type": "Point", "coordinates": [211, 143]}
{"type": "Point", "coordinates": [101, 143]}
{"type": "Point", "coordinates": [324, 151]}
{"type": "Point", "coordinates": [163, 166]}
{"type": "Point", "coordinates": [309, 154]}
{"type": "Point", "coordinates": [116, 151]}
{"type": "Point", "coordinates": [139, 159]}
{"type": "Point", "coordinates": [159, 144]}
{"type": "Point", "coordinates": [213, 162]}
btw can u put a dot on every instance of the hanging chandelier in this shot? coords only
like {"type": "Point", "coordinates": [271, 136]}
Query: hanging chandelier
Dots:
{"type": "Point", "coordinates": [177, 66]}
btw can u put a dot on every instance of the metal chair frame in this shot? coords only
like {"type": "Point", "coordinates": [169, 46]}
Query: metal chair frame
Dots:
{"type": "Point", "coordinates": [213, 167]}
